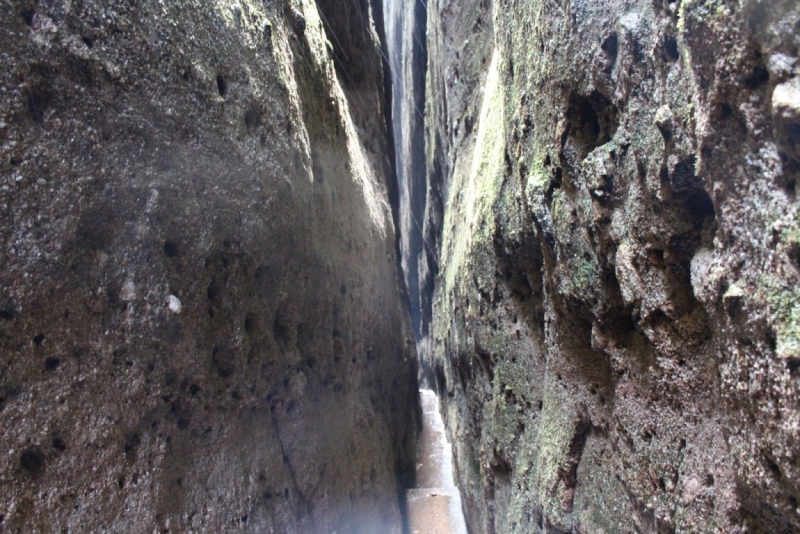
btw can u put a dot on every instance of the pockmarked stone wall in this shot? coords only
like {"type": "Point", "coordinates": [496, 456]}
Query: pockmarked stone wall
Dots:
{"type": "Point", "coordinates": [201, 322]}
{"type": "Point", "coordinates": [615, 319]}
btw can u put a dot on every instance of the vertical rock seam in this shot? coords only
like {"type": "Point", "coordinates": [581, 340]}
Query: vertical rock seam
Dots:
{"type": "Point", "coordinates": [407, 52]}
{"type": "Point", "coordinates": [611, 191]}
{"type": "Point", "coordinates": [202, 326]}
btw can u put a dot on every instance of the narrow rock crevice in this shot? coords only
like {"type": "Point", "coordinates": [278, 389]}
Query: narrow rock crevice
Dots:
{"type": "Point", "coordinates": [235, 239]}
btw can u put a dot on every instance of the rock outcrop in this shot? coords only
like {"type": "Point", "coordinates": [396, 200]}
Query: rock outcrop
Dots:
{"type": "Point", "coordinates": [615, 326]}
{"type": "Point", "coordinates": [201, 322]}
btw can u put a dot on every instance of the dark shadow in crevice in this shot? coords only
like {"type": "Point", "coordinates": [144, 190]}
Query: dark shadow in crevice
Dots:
{"type": "Point", "coordinates": [593, 121]}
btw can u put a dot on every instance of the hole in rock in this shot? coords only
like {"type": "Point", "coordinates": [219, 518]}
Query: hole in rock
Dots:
{"type": "Point", "coordinates": [170, 377]}
{"type": "Point", "coordinates": [27, 15]}
{"type": "Point", "coordinates": [758, 77]}
{"type": "Point", "coordinates": [593, 121]}
{"type": "Point", "coordinates": [170, 249]}
{"type": "Point", "coordinates": [683, 175]}
{"type": "Point", "coordinates": [794, 254]}
{"type": "Point", "coordinates": [772, 340]}
{"type": "Point", "coordinates": [701, 207]}
{"type": "Point", "coordinates": [610, 45]}
{"type": "Point", "coordinates": [32, 460]}
{"type": "Point", "coordinates": [791, 187]}
{"type": "Point", "coordinates": [773, 467]}
{"type": "Point", "coordinates": [793, 134]}
{"type": "Point", "coordinates": [223, 361]}
{"type": "Point", "coordinates": [213, 290]}
{"type": "Point", "coordinates": [671, 48]}
{"type": "Point", "coordinates": [222, 86]}
{"type": "Point", "coordinates": [131, 443]}
{"type": "Point", "coordinates": [249, 323]}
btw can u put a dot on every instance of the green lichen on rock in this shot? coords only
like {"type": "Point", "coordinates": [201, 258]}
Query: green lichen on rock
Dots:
{"type": "Point", "coordinates": [476, 198]}
{"type": "Point", "coordinates": [784, 309]}
{"type": "Point", "coordinates": [581, 278]}
{"type": "Point", "coordinates": [642, 169]}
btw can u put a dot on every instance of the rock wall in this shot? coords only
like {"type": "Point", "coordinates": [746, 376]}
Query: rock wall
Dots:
{"type": "Point", "coordinates": [201, 322]}
{"type": "Point", "coordinates": [615, 317]}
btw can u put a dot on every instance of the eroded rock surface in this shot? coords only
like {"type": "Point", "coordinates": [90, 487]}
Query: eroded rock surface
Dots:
{"type": "Point", "coordinates": [201, 326]}
{"type": "Point", "coordinates": [615, 318]}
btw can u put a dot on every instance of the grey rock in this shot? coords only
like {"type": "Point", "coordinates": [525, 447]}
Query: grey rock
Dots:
{"type": "Point", "coordinates": [614, 329]}
{"type": "Point", "coordinates": [166, 157]}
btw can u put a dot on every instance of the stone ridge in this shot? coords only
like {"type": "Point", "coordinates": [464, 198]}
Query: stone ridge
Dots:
{"type": "Point", "coordinates": [201, 321]}
{"type": "Point", "coordinates": [615, 315]}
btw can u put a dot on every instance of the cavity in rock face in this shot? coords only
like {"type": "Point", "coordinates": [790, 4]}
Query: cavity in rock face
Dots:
{"type": "Point", "coordinates": [299, 22]}
{"type": "Point", "coordinates": [201, 325]}
{"type": "Point", "coordinates": [611, 198]}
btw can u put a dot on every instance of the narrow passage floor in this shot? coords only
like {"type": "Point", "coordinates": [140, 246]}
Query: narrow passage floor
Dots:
{"type": "Point", "coordinates": [434, 506]}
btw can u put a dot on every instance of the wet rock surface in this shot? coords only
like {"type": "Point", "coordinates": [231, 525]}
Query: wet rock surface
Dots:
{"type": "Point", "coordinates": [434, 504]}
{"type": "Point", "coordinates": [614, 332]}
{"type": "Point", "coordinates": [201, 323]}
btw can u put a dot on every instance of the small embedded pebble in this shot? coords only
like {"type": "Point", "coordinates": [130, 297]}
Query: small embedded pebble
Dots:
{"type": "Point", "coordinates": [175, 304]}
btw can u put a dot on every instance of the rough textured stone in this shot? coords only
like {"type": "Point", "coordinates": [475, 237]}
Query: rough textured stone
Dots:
{"type": "Point", "coordinates": [201, 323]}
{"type": "Point", "coordinates": [615, 315]}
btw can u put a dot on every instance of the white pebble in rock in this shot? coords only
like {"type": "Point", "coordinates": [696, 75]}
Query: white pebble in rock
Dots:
{"type": "Point", "coordinates": [298, 384]}
{"type": "Point", "coordinates": [175, 304]}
